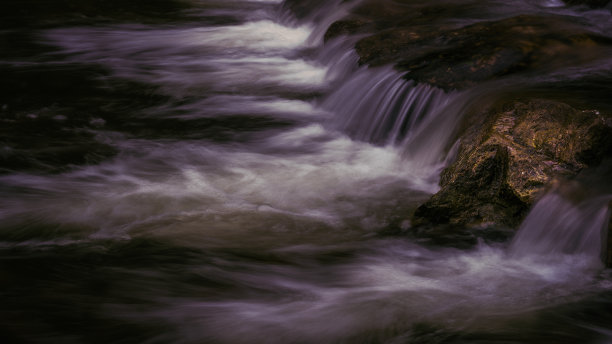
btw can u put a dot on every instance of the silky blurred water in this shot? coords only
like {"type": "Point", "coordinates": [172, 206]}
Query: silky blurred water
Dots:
{"type": "Point", "coordinates": [226, 177]}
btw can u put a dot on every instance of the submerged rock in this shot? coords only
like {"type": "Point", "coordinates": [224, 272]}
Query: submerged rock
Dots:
{"type": "Point", "coordinates": [508, 157]}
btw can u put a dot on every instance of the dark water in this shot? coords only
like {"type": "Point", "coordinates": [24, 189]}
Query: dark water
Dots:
{"type": "Point", "coordinates": [211, 172]}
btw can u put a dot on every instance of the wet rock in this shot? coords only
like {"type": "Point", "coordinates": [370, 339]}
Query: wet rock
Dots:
{"type": "Point", "coordinates": [417, 39]}
{"type": "Point", "coordinates": [303, 8]}
{"type": "Point", "coordinates": [508, 157]}
{"type": "Point", "coordinates": [346, 27]}
{"type": "Point", "coordinates": [457, 58]}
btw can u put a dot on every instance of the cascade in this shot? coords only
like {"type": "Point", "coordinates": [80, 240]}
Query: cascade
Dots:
{"type": "Point", "coordinates": [378, 105]}
{"type": "Point", "coordinates": [557, 226]}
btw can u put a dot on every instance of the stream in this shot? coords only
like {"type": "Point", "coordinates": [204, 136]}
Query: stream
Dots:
{"type": "Point", "coordinates": [228, 177]}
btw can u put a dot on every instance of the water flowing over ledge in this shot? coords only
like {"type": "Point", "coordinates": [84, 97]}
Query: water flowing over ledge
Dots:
{"type": "Point", "coordinates": [556, 226]}
{"type": "Point", "coordinates": [380, 106]}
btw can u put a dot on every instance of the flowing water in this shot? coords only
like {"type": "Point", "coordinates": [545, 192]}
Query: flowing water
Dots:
{"type": "Point", "coordinates": [228, 178]}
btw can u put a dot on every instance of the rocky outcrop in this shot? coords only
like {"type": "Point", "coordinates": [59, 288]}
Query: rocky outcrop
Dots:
{"type": "Point", "coordinates": [450, 56]}
{"type": "Point", "coordinates": [509, 156]}
{"type": "Point", "coordinates": [458, 58]}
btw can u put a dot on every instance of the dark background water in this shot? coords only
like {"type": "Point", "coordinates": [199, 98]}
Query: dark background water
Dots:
{"type": "Point", "coordinates": [177, 172]}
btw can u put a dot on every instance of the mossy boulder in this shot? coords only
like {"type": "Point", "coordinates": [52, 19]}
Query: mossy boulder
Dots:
{"type": "Point", "coordinates": [509, 156]}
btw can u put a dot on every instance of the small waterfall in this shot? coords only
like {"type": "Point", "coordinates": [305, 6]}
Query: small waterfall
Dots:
{"type": "Point", "coordinates": [380, 106]}
{"type": "Point", "coordinates": [556, 226]}
{"type": "Point", "coordinates": [377, 105]}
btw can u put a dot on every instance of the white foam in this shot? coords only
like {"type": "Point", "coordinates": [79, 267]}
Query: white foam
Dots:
{"type": "Point", "coordinates": [220, 59]}
{"type": "Point", "coordinates": [218, 105]}
{"type": "Point", "coordinates": [261, 36]}
{"type": "Point", "coordinates": [307, 172]}
{"type": "Point", "coordinates": [552, 3]}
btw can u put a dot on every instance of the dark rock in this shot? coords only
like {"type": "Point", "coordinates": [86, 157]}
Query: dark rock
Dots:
{"type": "Point", "coordinates": [418, 40]}
{"type": "Point", "coordinates": [508, 157]}
{"type": "Point", "coordinates": [303, 8]}
{"type": "Point", "coordinates": [456, 58]}
{"type": "Point", "coordinates": [345, 27]}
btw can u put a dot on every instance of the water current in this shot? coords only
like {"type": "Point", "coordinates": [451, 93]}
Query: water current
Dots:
{"type": "Point", "coordinates": [229, 178]}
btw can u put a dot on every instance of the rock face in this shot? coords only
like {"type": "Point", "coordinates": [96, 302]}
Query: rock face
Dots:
{"type": "Point", "coordinates": [507, 158]}
{"type": "Point", "coordinates": [458, 58]}
{"type": "Point", "coordinates": [430, 50]}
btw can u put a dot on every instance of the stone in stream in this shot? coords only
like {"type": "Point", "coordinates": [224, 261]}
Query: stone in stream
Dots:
{"type": "Point", "coordinates": [509, 156]}
{"type": "Point", "coordinates": [430, 50]}
{"type": "Point", "coordinates": [463, 57]}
